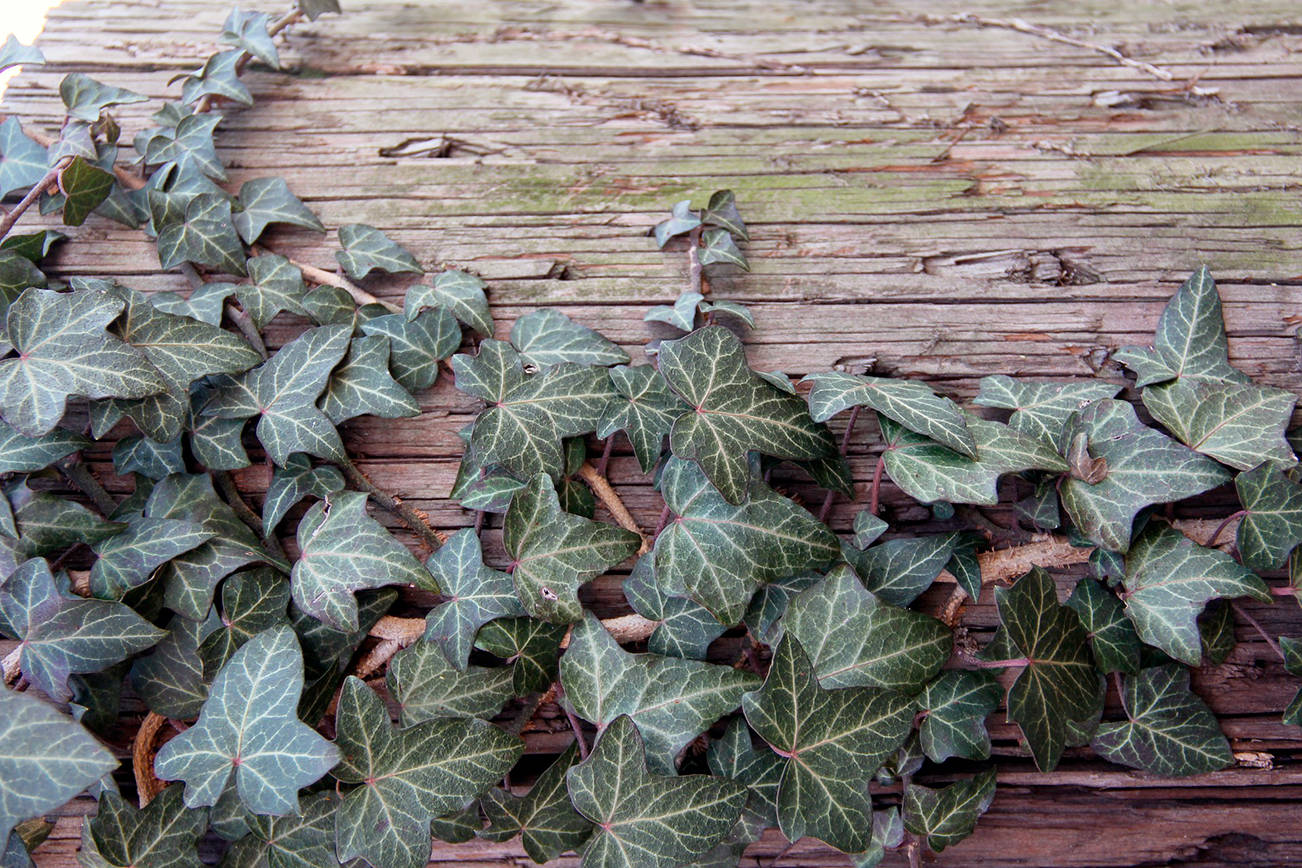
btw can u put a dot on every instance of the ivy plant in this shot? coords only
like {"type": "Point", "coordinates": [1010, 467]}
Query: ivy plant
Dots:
{"type": "Point", "coordinates": [339, 693]}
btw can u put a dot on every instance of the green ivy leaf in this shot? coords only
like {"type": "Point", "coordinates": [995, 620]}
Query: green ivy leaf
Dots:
{"type": "Point", "coordinates": [1169, 731]}
{"type": "Point", "coordinates": [722, 212]}
{"type": "Point", "coordinates": [1143, 468]}
{"type": "Point", "coordinates": [548, 337]}
{"type": "Point", "coordinates": [1113, 639]}
{"type": "Point", "coordinates": [929, 472]}
{"type": "Point", "coordinates": [66, 635]}
{"type": "Point", "coordinates": [314, 9]}
{"type": "Point", "coordinates": [1191, 340]}
{"type": "Point", "coordinates": [293, 482]}
{"type": "Point", "coordinates": [686, 628]}
{"type": "Point", "coordinates": [1170, 578]}
{"type": "Point", "coordinates": [64, 351]}
{"type": "Point", "coordinates": [248, 730]}
{"type": "Point", "coordinates": [22, 162]}
{"type": "Point", "coordinates": [163, 834]}
{"type": "Point", "coordinates": [248, 32]}
{"type": "Point", "coordinates": [407, 776]}
{"type": "Point", "coordinates": [204, 304]}
{"type": "Point", "coordinates": [170, 679]}
{"type": "Point", "coordinates": [735, 412]}
{"type": "Point", "coordinates": [718, 245]}
{"type": "Point", "coordinates": [1272, 520]}
{"type": "Point", "coordinates": [899, 570]}
{"type": "Point", "coordinates": [303, 840]}
{"type": "Point", "coordinates": [832, 742]}
{"type": "Point", "coordinates": [147, 457]}
{"type": "Point", "coordinates": [644, 409]}
{"type": "Point", "coordinates": [868, 528]}
{"type": "Point", "coordinates": [49, 758]}
{"type": "Point", "coordinates": [681, 314]}
{"type": "Point", "coordinates": [128, 560]}
{"type": "Point", "coordinates": [956, 706]}
{"type": "Point", "coordinates": [264, 201]}
{"type": "Point", "coordinates": [553, 552]}
{"type": "Point", "coordinates": [218, 77]}
{"type": "Point", "coordinates": [1058, 688]}
{"type": "Point", "coordinates": [362, 385]}
{"type": "Point", "coordinates": [946, 816]}
{"type": "Point", "coordinates": [345, 550]}
{"type": "Point", "coordinates": [417, 346]}
{"type": "Point", "coordinates": [14, 53]}
{"type": "Point", "coordinates": [367, 249]}
{"type": "Point", "coordinates": [87, 98]}
{"type": "Point", "coordinates": [328, 305]}
{"type": "Point", "coordinates": [735, 757]}
{"type": "Point", "coordinates": [427, 686]}
{"type": "Point", "coordinates": [1040, 409]}
{"type": "Point", "coordinates": [544, 819]}
{"type": "Point", "coordinates": [275, 285]}
{"type": "Point", "coordinates": [682, 221]}
{"type": "Point", "coordinates": [855, 640]}
{"type": "Point", "coordinates": [460, 293]}
{"type": "Point", "coordinates": [34, 246]}
{"type": "Point", "coordinates": [1292, 649]}
{"type": "Point", "coordinates": [251, 602]}
{"type": "Point", "coordinates": [476, 595]}
{"type": "Point", "coordinates": [670, 699]}
{"type": "Point", "coordinates": [20, 454]}
{"type": "Point", "coordinates": [718, 554]}
{"type": "Point", "coordinates": [85, 187]}
{"type": "Point", "coordinates": [907, 402]}
{"type": "Point", "coordinates": [1238, 424]}
{"type": "Point", "coordinates": [188, 142]}
{"type": "Point", "coordinates": [531, 646]}
{"type": "Point", "coordinates": [732, 308]}
{"type": "Point", "coordinates": [646, 820]}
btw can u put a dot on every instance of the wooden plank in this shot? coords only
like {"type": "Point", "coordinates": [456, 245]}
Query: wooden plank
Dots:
{"type": "Point", "coordinates": [942, 198]}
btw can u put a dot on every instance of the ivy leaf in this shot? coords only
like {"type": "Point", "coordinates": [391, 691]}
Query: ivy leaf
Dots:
{"type": "Point", "coordinates": [670, 699]}
{"type": "Point", "coordinates": [763, 618]}
{"type": "Point", "coordinates": [718, 554]}
{"type": "Point", "coordinates": [1292, 649]}
{"type": "Point", "coordinates": [1169, 731]}
{"type": "Point", "coordinates": [204, 304]}
{"type": "Point", "coordinates": [362, 385]}
{"type": "Point", "coordinates": [34, 246]}
{"type": "Point", "coordinates": [644, 409]}
{"type": "Point", "coordinates": [327, 305]}
{"type": "Point", "coordinates": [48, 524]}
{"type": "Point", "coordinates": [284, 391]}
{"type": "Point", "coordinates": [219, 77]}
{"type": "Point", "coordinates": [148, 457]}
{"type": "Point", "coordinates": [264, 201]}
{"type": "Point", "coordinates": [252, 601]}
{"type": "Point", "coordinates": [929, 472]}
{"type": "Point", "coordinates": [855, 640]}
{"type": "Point", "coordinates": [367, 249]}
{"type": "Point", "coordinates": [868, 528]}
{"type": "Point", "coordinates": [14, 53]}
{"type": "Point", "coordinates": [909, 403]}
{"type": "Point", "coordinates": [303, 840]}
{"type": "Point", "coordinates": [956, 706]}
{"type": "Point", "coordinates": [188, 142]}
{"type": "Point", "coordinates": [734, 757]}
{"type": "Point", "coordinates": [722, 212]}
{"type": "Point", "coordinates": [204, 236]}
{"type": "Point", "coordinates": [948, 815]}
{"type": "Point", "coordinates": [66, 635]}
{"type": "Point", "coordinates": [1058, 688]}
{"type": "Point", "coordinates": [314, 9]}
{"type": "Point", "coordinates": [248, 32]}
{"type": "Point", "coordinates": [548, 337]}
{"type": "Point", "coordinates": [170, 679]}
{"type": "Point", "coordinates": [128, 560]}
{"type": "Point", "coordinates": [732, 308]}
{"type": "Point", "coordinates": [345, 550]}
{"type": "Point", "coordinates": [686, 628]}
{"type": "Point", "coordinates": [544, 819]}
{"type": "Point", "coordinates": [63, 350]}
{"type": "Point", "coordinates": [460, 293]}
{"type": "Point", "coordinates": [21, 454]}
{"type": "Point", "coordinates": [1143, 468]}
{"type": "Point", "coordinates": [1272, 520]}
{"type": "Point", "coordinates": [427, 686]}
{"type": "Point", "coordinates": [276, 285]}
{"type": "Point", "coordinates": [22, 162]}
{"type": "Point", "coordinates": [644, 819]}
{"type": "Point", "coordinates": [87, 98]}
{"type": "Point", "coordinates": [1238, 424]}
{"type": "Point", "coordinates": [293, 482]}
{"type": "Point", "coordinates": [1040, 409]}
{"type": "Point", "coordinates": [898, 570]}
{"type": "Point", "coordinates": [85, 187]}
{"type": "Point", "coordinates": [554, 552]}
{"type": "Point", "coordinates": [408, 776]}
{"type": "Point", "coordinates": [1191, 340]}
{"type": "Point", "coordinates": [417, 346]}
{"type": "Point", "coordinates": [684, 220]}
{"type": "Point", "coordinates": [532, 648]}
{"type": "Point", "coordinates": [49, 758]}
{"type": "Point", "coordinates": [681, 314]}
{"type": "Point", "coordinates": [1170, 578]}
{"type": "Point", "coordinates": [1113, 639]}
{"type": "Point", "coordinates": [718, 245]}
{"type": "Point", "coordinates": [189, 579]}
{"type": "Point", "coordinates": [735, 413]}
{"type": "Point", "coordinates": [248, 729]}
{"type": "Point", "coordinates": [832, 741]}
{"type": "Point", "coordinates": [476, 595]}
{"type": "Point", "coordinates": [163, 834]}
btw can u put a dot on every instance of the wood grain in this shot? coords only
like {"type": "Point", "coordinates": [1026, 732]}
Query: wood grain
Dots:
{"type": "Point", "coordinates": [933, 195]}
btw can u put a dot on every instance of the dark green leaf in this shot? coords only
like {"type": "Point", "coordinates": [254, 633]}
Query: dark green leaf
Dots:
{"type": "Point", "coordinates": [532, 648]}
{"type": "Point", "coordinates": [731, 308]}
{"type": "Point", "coordinates": [148, 457]}
{"type": "Point", "coordinates": [461, 293]}
{"type": "Point", "coordinates": [763, 616]}
{"type": "Point", "coordinates": [188, 143]}
{"type": "Point", "coordinates": [1239, 424]}
{"type": "Point", "coordinates": [1191, 341]}
{"type": "Point", "coordinates": [327, 304]}
{"type": "Point", "coordinates": [128, 560]}
{"type": "Point", "coordinates": [162, 835]}
{"type": "Point", "coordinates": [722, 212]}
{"type": "Point", "coordinates": [170, 678]}
{"type": "Point", "coordinates": [219, 77]}
{"type": "Point", "coordinates": [181, 348]}
{"type": "Point", "coordinates": [20, 454]}
{"type": "Point", "coordinates": [548, 337]}
{"type": "Point", "coordinates": [35, 246]}
{"type": "Point", "coordinates": [205, 236]}
{"type": "Point", "coordinates": [684, 220]}
{"type": "Point", "coordinates": [367, 249]}
{"type": "Point", "coordinates": [427, 686]}
{"type": "Point", "coordinates": [86, 98]}
{"type": "Point", "coordinates": [17, 273]}
{"type": "Point", "coordinates": [1292, 649]}
{"type": "Point", "coordinates": [248, 31]}
{"type": "Point", "coordinates": [1272, 520]}
{"type": "Point", "coordinates": [867, 528]}
{"type": "Point", "coordinates": [22, 162]}
{"type": "Point", "coordinates": [956, 706]}
{"type": "Point", "coordinates": [1113, 640]}
{"type": "Point", "coordinates": [362, 385]}
{"type": "Point", "coordinates": [945, 817]}
{"type": "Point", "coordinates": [686, 628]}
{"type": "Point", "coordinates": [248, 730]}
{"type": "Point", "coordinates": [670, 699]}
{"type": "Point", "coordinates": [476, 594]}
{"type": "Point", "coordinates": [646, 820]}
{"type": "Point", "coordinates": [264, 201]}
{"type": "Point", "coordinates": [407, 777]}
{"type": "Point", "coordinates": [85, 187]}
{"type": "Point", "coordinates": [293, 482]}
{"type": "Point", "coordinates": [898, 570]}
{"type": "Point", "coordinates": [718, 245]}
{"type": "Point", "coordinates": [305, 840]}
{"type": "Point", "coordinates": [314, 9]}
{"type": "Point", "coordinates": [417, 346]}
{"type": "Point", "coordinates": [681, 314]}
{"type": "Point", "coordinates": [276, 285]}
{"type": "Point", "coordinates": [912, 404]}
{"type": "Point", "coordinates": [1216, 630]}
{"type": "Point", "coordinates": [252, 601]}
{"type": "Point", "coordinates": [1040, 409]}
{"type": "Point", "coordinates": [544, 819]}
{"type": "Point", "coordinates": [644, 409]}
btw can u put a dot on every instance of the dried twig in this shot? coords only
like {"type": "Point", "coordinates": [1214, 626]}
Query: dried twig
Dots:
{"type": "Point", "coordinates": [606, 494]}
{"type": "Point", "coordinates": [142, 758]}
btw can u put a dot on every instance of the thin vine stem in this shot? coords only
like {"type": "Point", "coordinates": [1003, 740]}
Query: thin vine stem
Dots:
{"type": "Point", "coordinates": [33, 195]}
{"type": "Point", "coordinates": [1256, 625]}
{"type": "Point", "coordinates": [416, 520]}
{"type": "Point", "coordinates": [79, 475]}
{"type": "Point", "coordinates": [845, 446]}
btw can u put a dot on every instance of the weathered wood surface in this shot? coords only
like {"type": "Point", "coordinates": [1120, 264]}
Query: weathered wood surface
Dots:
{"type": "Point", "coordinates": [949, 196]}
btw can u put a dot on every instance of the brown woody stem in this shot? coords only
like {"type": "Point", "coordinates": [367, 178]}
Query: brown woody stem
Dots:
{"type": "Point", "coordinates": [412, 517]}
{"type": "Point", "coordinates": [142, 758]}
{"type": "Point", "coordinates": [606, 494]}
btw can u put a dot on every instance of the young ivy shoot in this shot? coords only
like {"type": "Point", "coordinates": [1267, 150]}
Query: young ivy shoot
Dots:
{"type": "Point", "coordinates": [269, 642]}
